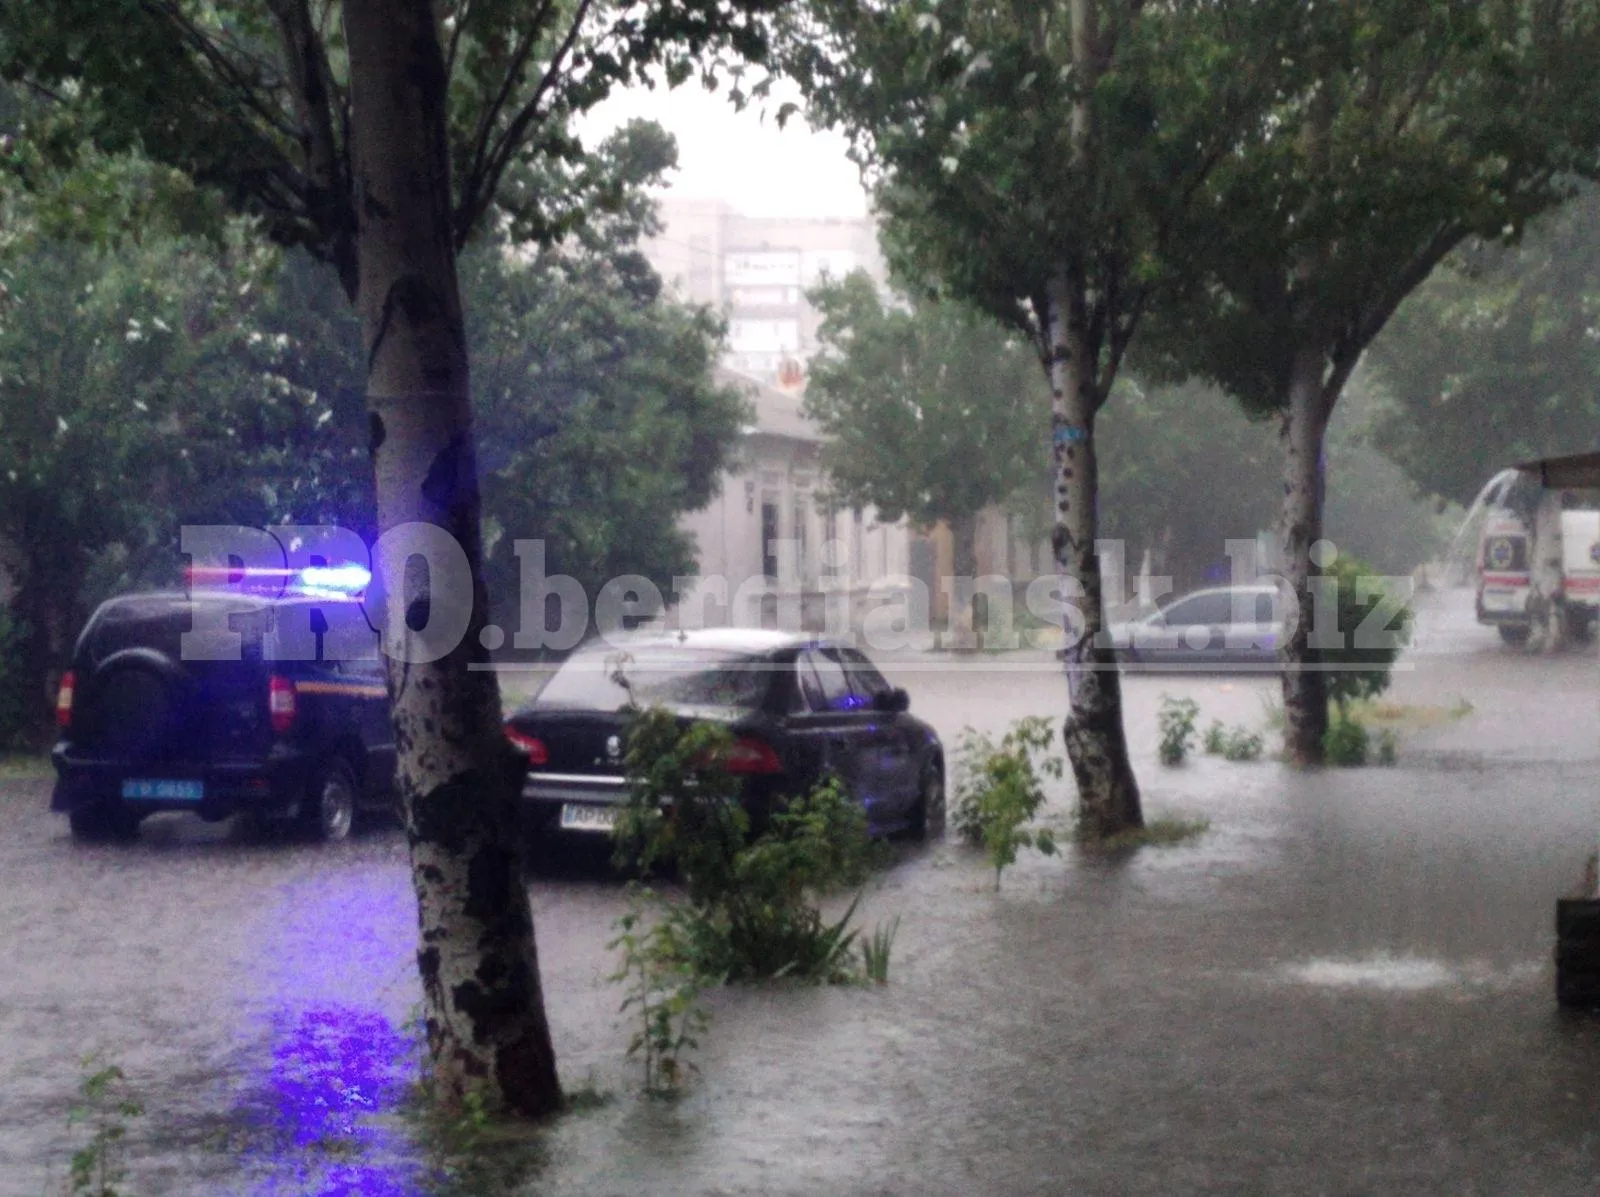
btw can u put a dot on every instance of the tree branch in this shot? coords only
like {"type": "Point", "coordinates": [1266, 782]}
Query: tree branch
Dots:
{"type": "Point", "coordinates": [474, 195]}
{"type": "Point", "coordinates": [328, 199]}
{"type": "Point", "coordinates": [227, 72]}
{"type": "Point", "coordinates": [1366, 327]}
{"type": "Point", "coordinates": [511, 139]}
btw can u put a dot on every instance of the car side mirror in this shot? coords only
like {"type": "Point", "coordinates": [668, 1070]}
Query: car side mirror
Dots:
{"type": "Point", "coordinates": [892, 701]}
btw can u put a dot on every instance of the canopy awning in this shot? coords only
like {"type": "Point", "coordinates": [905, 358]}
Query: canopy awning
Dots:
{"type": "Point", "coordinates": [1577, 471]}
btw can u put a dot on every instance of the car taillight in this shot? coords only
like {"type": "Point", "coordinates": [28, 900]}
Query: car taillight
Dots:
{"type": "Point", "coordinates": [69, 687]}
{"type": "Point", "coordinates": [748, 756]}
{"type": "Point", "coordinates": [530, 746]}
{"type": "Point", "coordinates": [282, 704]}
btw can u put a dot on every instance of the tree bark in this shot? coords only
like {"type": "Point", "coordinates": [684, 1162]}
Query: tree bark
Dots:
{"type": "Point", "coordinates": [459, 779]}
{"type": "Point", "coordinates": [1108, 794]}
{"type": "Point", "coordinates": [1305, 685]}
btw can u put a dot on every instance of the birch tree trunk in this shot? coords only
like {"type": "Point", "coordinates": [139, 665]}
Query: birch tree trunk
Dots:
{"type": "Point", "coordinates": [1108, 794]}
{"type": "Point", "coordinates": [483, 1009]}
{"type": "Point", "coordinates": [1305, 685]}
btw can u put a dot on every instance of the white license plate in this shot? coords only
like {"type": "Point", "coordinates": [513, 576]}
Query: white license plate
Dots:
{"type": "Point", "coordinates": [577, 816]}
{"type": "Point", "coordinates": [163, 790]}
{"type": "Point", "coordinates": [1501, 600]}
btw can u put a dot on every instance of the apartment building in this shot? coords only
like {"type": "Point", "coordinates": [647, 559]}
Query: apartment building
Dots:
{"type": "Point", "coordinates": [756, 270]}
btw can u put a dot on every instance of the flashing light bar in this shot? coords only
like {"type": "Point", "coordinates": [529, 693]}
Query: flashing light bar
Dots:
{"type": "Point", "coordinates": [327, 580]}
{"type": "Point", "coordinates": [345, 579]}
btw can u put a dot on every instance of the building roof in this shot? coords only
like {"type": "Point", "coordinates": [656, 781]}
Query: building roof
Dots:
{"type": "Point", "coordinates": [1580, 471]}
{"type": "Point", "coordinates": [777, 413]}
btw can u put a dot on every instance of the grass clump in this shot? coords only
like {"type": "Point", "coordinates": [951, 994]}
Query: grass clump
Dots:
{"type": "Point", "coordinates": [24, 767]}
{"type": "Point", "coordinates": [1167, 832]}
{"type": "Point", "coordinates": [875, 952]}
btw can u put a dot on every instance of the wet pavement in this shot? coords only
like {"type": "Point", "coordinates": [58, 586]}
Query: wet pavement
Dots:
{"type": "Point", "coordinates": [1345, 986]}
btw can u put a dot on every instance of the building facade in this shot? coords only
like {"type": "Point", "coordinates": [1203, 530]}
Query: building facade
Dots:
{"type": "Point", "coordinates": [755, 271]}
{"type": "Point", "coordinates": [773, 550]}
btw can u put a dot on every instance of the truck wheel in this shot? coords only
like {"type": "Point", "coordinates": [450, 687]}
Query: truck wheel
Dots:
{"type": "Point", "coordinates": [103, 822]}
{"type": "Point", "coordinates": [328, 809]}
{"type": "Point", "coordinates": [1515, 634]}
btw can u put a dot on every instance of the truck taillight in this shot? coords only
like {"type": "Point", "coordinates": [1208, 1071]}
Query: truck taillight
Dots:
{"type": "Point", "coordinates": [530, 746]}
{"type": "Point", "coordinates": [282, 703]}
{"type": "Point", "coordinates": [751, 756]}
{"type": "Point", "coordinates": [64, 696]}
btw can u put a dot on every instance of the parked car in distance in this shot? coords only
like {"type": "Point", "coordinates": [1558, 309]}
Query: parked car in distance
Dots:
{"type": "Point", "coordinates": [800, 710]}
{"type": "Point", "coordinates": [1225, 628]}
{"type": "Point", "coordinates": [143, 729]}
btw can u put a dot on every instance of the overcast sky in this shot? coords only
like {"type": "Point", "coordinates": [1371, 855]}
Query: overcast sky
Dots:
{"type": "Point", "coordinates": [735, 156]}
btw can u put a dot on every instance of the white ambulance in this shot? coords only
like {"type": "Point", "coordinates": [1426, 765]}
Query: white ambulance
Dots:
{"type": "Point", "coordinates": [1516, 549]}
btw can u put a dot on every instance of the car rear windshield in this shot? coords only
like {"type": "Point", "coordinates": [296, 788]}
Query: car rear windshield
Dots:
{"type": "Point", "coordinates": [610, 680]}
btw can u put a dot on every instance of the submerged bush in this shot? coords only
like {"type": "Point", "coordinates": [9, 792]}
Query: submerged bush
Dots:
{"type": "Point", "coordinates": [1361, 667]}
{"type": "Point", "coordinates": [1176, 721]}
{"type": "Point", "coordinates": [1000, 788]}
{"type": "Point", "coordinates": [754, 906]}
{"type": "Point", "coordinates": [1346, 742]}
{"type": "Point", "coordinates": [1236, 743]}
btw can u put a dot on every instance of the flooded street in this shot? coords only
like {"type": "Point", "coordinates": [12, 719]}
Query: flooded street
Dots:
{"type": "Point", "coordinates": [1345, 986]}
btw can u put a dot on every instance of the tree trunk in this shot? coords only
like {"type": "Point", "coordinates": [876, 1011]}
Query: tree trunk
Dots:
{"type": "Point", "coordinates": [459, 779]}
{"type": "Point", "coordinates": [962, 622]}
{"type": "Point", "coordinates": [1305, 685]}
{"type": "Point", "coordinates": [1108, 795]}
{"type": "Point", "coordinates": [32, 662]}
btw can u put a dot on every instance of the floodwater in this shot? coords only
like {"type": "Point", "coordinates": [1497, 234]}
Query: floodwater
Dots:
{"type": "Point", "coordinates": [1345, 986]}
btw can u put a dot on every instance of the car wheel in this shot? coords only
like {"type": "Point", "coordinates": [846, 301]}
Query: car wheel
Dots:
{"type": "Point", "coordinates": [1515, 634]}
{"type": "Point", "coordinates": [103, 822]}
{"type": "Point", "coordinates": [927, 823]}
{"type": "Point", "coordinates": [328, 810]}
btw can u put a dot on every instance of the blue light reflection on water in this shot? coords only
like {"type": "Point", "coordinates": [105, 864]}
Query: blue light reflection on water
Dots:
{"type": "Point", "coordinates": [328, 967]}
{"type": "Point", "coordinates": [332, 1069]}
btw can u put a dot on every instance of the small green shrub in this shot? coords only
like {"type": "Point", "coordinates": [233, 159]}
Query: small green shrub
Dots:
{"type": "Point", "coordinates": [1345, 743]}
{"type": "Point", "coordinates": [1236, 743]}
{"type": "Point", "coordinates": [663, 988]}
{"type": "Point", "coordinates": [1242, 744]}
{"type": "Point", "coordinates": [1000, 788]}
{"type": "Point", "coordinates": [753, 908]}
{"type": "Point", "coordinates": [1176, 721]}
{"type": "Point", "coordinates": [1361, 667]}
{"type": "Point", "coordinates": [105, 1103]}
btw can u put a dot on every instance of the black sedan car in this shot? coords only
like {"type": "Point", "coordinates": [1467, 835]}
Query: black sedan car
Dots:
{"type": "Point", "coordinates": [800, 710]}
